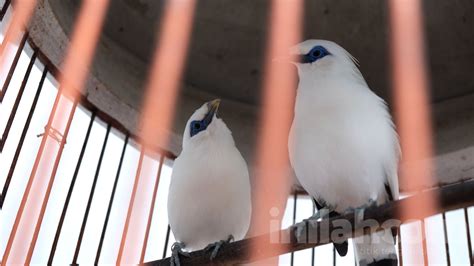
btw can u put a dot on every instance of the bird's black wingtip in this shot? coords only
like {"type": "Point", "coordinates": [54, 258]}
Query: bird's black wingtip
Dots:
{"type": "Point", "coordinates": [341, 248]}
{"type": "Point", "coordinates": [384, 262]}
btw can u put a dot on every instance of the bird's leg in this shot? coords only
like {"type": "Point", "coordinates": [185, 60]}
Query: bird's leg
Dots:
{"type": "Point", "coordinates": [320, 214]}
{"type": "Point", "coordinates": [217, 245]}
{"type": "Point", "coordinates": [301, 226]}
{"type": "Point", "coordinates": [359, 211]}
{"type": "Point", "coordinates": [177, 249]}
{"type": "Point", "coordinates": [371, 203]}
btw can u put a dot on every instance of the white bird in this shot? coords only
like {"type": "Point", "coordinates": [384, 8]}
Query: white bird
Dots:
{"type": "Point", "coordinates": [209, 195]}
{"type": "Point", "coordinates": [343, 145]}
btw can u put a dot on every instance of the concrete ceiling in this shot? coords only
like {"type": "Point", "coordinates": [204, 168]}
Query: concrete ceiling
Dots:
{"type": "Point", "coordinates": [228, 40]}
{"type": "Point", "coordinates": [227, 48]}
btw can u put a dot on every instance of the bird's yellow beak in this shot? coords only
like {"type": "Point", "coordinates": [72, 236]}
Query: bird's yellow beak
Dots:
{"type": "Point", "coordinates": [212, 107]}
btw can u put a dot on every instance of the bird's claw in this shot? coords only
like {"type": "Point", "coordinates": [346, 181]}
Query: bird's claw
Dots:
{"type": "Point", "coordinates": [359, 211]}
{"type": "Point", "coordinates": [320, 214]}
{"type": "Point", "coordinates": [177, 249]}
{"type": "Point", "coordinates": [217, 245]}
{"type": "Point", "coordinates": [301, 227]}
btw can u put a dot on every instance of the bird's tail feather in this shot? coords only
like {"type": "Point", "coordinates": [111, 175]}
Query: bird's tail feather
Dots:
{"type": "Point", "coordinates": [375, 249]}
{"type": "Point", "coordinates": [341, 248]}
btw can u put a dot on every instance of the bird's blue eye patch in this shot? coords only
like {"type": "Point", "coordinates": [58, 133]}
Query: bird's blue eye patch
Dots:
{"type": "Point", "coordinates": [197, 126]}
{"type": "Point", "coordinates": [314, 54]}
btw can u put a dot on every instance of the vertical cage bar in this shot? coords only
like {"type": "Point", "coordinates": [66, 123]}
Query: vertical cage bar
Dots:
{"type": "Point", "coordinates": [271, 156]}
{"type": "Point", "coordinates": [445, 230]}
{"type": "Point", "coordinates": [13, 66]}
{"type": "Point", "coordinates": [160, 98]}
{"type": "Point", "coordinates": [21, 14]}
{"type": "Point", "coordinates": [295, 197]}
{"type": "Point", "coordinates": [30, 180]}
{"type": "Point", "coordinates": [411, 100]}
{"type": "Point", "coordinates": [152, 207]}
{"type": "Point", "coordinates": [81, 49]}
{"type": "Point", "coordinates": [400, 252]}
{"type": "Point", "coordinates": [130, 206]}
{"type": "Point", "coordinates": [4, 10]}
{"type": "Point", "coordinates": [50, 183]}
{"type": "Point", "coordinates": [83, 43]}
{"type": "Point", "coordinates": [112, 196]}
{"type": "Point", "coordinates": [91, 196]}
{"type": "Point", "coordinates": [468, 234]}
{"type": "Point", "coordinates": [312, 250]}
{"type": "Point", "coordinates": [69, 193]}
{"type": "Point", "coordinates": [22, 138]}
{"type": "Point", "coordinates": [6, 132]}
{"type": "Point", "coordinates": [166, 241]}
{"type": "Point", "coordinates": [423, 240]}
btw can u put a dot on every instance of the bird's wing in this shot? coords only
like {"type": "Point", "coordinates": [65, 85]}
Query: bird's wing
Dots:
{"type": "Point", "coordinates": [391, 173]}
{"type": "Point", "coordinates": [316, 203]}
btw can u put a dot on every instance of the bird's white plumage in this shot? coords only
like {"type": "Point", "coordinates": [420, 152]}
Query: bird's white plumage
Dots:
{"type": "Point", "coordinates": [209, 195]}
{"type": "Point", "coordinates": [343, 146]}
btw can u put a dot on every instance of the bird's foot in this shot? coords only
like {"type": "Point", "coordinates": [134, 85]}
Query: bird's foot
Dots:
{"type": "Point", "coordinates": [301, 227]}
{"type": "Point", "coordinates": [320, 214]}
{"type": "Point", "coordinates": [177, 249]}
{"type": "Point", "coordinates": [359, 211]}
{"type": "Point", "coordinates": [391, 260]}
{"type": "Point", "coordinates": [217, 245]}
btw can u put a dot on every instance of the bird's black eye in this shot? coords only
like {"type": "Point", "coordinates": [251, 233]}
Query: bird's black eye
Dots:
{"type": "Point", "coordinates": [197, 126]}
{"type": "Point", "coordinates": [316, 53]}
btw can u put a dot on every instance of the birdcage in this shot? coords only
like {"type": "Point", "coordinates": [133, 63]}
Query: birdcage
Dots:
{"type": "Point", "coordinates": [85, 166]}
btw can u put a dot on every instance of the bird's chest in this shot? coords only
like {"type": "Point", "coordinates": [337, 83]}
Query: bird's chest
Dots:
{"type": "Point", "coordinates": [331, 155]}
{"type": "Point", "coordinates": [209, 198]}
{"type": "Point", "coordinates": [206, 179]}
{"type": "Point", "coordinates": [328, 135]}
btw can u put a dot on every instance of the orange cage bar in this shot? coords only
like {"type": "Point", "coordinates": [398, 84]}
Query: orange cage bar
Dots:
{"type": "Point", "coordinates": [23, 237]}
{"type": "Point", "coordinates": [157, 113]}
